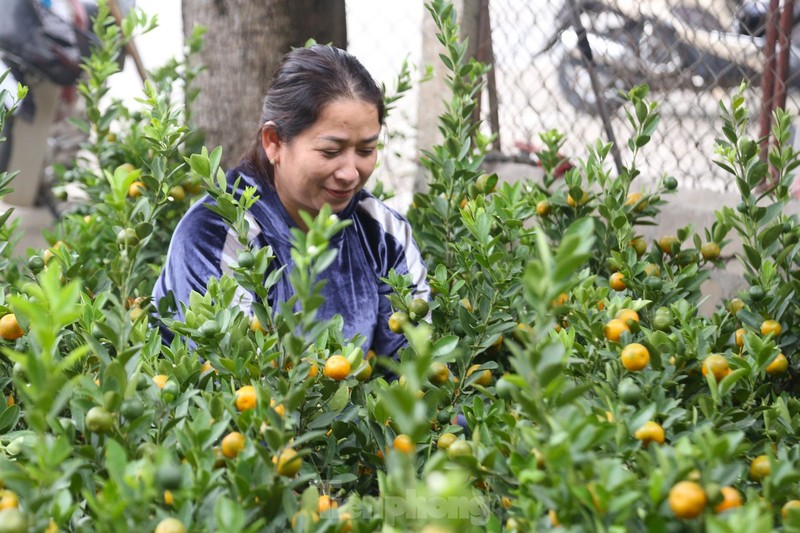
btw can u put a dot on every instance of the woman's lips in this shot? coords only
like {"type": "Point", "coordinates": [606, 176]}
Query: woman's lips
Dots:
{"type": "Point", "coordinates": [339, 194]}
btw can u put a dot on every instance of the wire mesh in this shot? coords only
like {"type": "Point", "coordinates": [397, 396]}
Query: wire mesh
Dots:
{"type": "Point", "coordinates": [691, 53]}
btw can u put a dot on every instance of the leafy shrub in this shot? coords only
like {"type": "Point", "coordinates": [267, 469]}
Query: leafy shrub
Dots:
{"type": "Point", "coordinates": [561, 375]}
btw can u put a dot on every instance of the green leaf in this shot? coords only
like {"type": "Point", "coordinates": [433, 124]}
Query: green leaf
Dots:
{"type": "Point", "coordinates": [344, 478]}
{"type": "Point", "coordinates": [770, 235]}
{"type": "Point", "coordinates": [9, 418]}
{"type": "Point", "coordinates": [340, 398]}
{"type": "Point", "coordinates": [444, 346]}
{"type": "Point", "coordinates": [115, 461]}
{"type": "Point", "coordinates": [228, 515]}
{"type": "Point", "coordinates": [753, 256]}
{"type": "Point", "coordinates": [656, 485]}
{"type": "Point", "coordinates": [200, 165]}
{"type": "Point", "coordinates": [323, 420]}
{"type": "Point", "coordinates": [731, 379]}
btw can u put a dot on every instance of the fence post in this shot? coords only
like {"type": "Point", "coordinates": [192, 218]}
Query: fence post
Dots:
{"type": "Point", "coordinates": [434, 93]}
{"type": "Point", "coordinates": [768, 78]}
{"type": "Point", "coordinates": [588, 62]}
{"type": "Point", "coordinates": [784, 45]}
{"type": "Point", "coordinates": [485, 54]}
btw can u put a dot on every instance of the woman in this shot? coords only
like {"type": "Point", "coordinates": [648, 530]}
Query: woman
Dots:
{"type": "Point", "coordinates": [317, 144]}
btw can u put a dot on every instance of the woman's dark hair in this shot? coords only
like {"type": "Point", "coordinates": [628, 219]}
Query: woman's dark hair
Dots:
{"type": "Point", "coordinates": [305, 81]}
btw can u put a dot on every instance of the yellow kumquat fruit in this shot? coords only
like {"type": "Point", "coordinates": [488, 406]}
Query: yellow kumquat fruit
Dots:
{"type": "Point", "coordinates": [403, 444]}
{"type": "Point", "coordinates": [718, 366]}
{"type": "Point", "coordinates": [246, 398]}
{"type": "Point", "coordinates": [760, 468]}
{"type": "Point", "coordinates": [778, 366]}
{"type": "Point", "coordinates": [650, 432]}
{"type": "Point", "coordinates": [614, 329]}
{"type": "Point", "coordinates": [731, 499]}
{"type": "Point", "coordinates": [771, 326]}
{"type": "Point", "coordinates": [635, 357]}
{"type": "Point", "coordinates": [687, 499]}
{"type": "Point", "coordinates": [337, 367]}
{"type": "Point", "coordinates": [232, 444]}
{"type": "Point", "coordinates": [617, 281]}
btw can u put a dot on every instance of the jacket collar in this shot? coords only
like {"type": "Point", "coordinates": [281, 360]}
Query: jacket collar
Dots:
{"type": "Point", "coordinates": [270, 200]}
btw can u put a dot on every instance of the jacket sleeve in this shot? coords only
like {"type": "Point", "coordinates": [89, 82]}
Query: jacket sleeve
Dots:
{"type": "Point", "coordinates": [401, 253]}
{"type": "Point", "coordinates": [202, 247]}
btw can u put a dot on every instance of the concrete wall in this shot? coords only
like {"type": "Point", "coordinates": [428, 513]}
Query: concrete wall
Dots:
{"type": "Point", "coordinates": [434, 93]}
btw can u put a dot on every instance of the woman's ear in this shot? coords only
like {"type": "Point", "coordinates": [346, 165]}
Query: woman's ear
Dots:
{"type": "Point", "coordinates": [270, 140]}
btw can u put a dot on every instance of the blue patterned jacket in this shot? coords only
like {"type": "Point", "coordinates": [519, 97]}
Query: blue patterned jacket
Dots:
{"type": "Point", "coordinates": [378, 240]}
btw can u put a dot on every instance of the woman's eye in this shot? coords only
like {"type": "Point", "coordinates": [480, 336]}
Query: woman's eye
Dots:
{"type": "Point", "coordinates": [330, 153]}
{"type": "Point", "coordinates": [366, 151]}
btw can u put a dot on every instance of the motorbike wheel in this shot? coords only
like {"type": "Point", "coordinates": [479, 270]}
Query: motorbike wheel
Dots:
{"type": "Point", "coordinates": [654, 55]}
{"type": "Point", "coordinates": [661, 55]}
{"type": "Point", "coordinates": [576, 86]}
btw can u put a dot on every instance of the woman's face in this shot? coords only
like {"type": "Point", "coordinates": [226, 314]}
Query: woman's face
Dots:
{"type": "Point", "coordinates": [329, 162]}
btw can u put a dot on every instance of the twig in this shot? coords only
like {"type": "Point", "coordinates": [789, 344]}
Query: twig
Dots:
{"type": "Point", "coordinates": [130, 46]}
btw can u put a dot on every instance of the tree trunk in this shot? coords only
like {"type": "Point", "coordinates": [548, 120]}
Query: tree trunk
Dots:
{"type": "Point", "coordinates": [243, 44]}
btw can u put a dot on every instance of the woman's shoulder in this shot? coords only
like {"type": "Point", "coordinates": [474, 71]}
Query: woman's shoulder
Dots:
{"type": "Point", "coordinates": [200, 230]}
{"type": "Point", "coordinates": [384, 227]}
{"type": "Point", "coordinates": [374, 210]}
{"type": "Point", "coordinates": [389, 238]}
{"type": "Point", "coordinates": [202, 226]}
{"type": "Point", "coordinates": [199, 216]}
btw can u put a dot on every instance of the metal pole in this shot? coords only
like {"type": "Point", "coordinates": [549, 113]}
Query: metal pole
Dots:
{"type": "Point", "coordinates": [588, 61]}
{"type": "Point", "coordinates": [784, 43]}
{"type": "Point", "coordinates": [130, 46]}
{"type": "Point", "coordinates": [486, 55]}
{"type": "Point", "coordinates": [768, 78]}
{"type": "Point", "coordinates": [780, 59]}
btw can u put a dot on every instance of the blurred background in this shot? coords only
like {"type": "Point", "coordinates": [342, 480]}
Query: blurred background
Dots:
{"type": "Point", "coordinates": [692, 54]}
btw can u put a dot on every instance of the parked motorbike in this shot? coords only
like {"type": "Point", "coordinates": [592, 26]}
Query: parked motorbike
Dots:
{"type": "Point", "coordinates": [668, 44]}
{"type": "Point", "coordinates": [42, 45]}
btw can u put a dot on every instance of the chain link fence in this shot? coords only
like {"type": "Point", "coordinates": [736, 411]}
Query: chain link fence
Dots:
{"type": "Point", "coordinates": [692, 54]}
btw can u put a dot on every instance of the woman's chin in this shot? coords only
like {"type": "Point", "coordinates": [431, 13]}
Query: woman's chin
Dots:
{"type": "Point", "coordinates": [338, 202]}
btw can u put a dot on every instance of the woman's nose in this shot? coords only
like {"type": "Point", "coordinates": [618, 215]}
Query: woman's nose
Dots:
{"type": "Point", "coordinates": [347, 171]}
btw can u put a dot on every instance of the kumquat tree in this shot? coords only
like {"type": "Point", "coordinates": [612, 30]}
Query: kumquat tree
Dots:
{"type": "Point", "coordinates": [560, 377]}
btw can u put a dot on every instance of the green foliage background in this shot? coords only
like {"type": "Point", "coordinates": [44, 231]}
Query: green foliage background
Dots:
{"type": "Point", "coordinates": [520, 277]}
